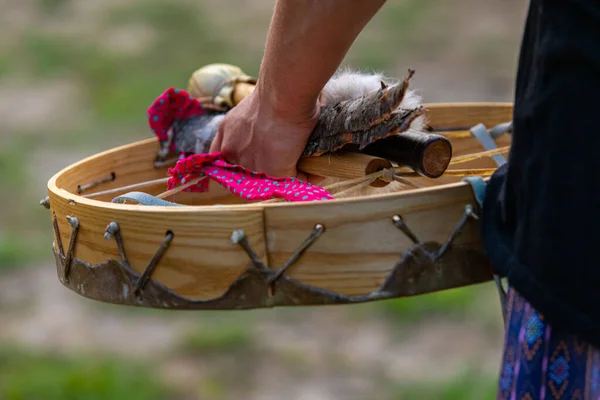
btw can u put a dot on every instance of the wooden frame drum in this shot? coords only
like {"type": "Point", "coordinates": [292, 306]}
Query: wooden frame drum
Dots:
{"type": "Point", "coordinates": [218, 252]}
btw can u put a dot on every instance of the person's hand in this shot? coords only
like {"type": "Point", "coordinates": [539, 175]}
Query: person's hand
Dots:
{"type": "Point", "coordinates": [307, 41]}
{"type": "Point", "coordinates": [262, 138]}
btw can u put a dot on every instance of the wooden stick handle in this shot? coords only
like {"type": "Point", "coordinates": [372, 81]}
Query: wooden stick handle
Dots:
{"type": "Point", "coordinates": [427, 154]}
{"type": "Point", "coordinates": [344, 165]}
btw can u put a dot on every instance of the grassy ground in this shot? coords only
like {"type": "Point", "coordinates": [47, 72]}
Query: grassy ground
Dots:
{"type": "Point", "coordinates": [76, 78]}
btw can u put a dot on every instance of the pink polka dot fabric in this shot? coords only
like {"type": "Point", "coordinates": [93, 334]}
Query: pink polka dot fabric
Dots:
{"type": "Point", "coordinates": [171, 105]}
{"type": "Point", "coordinates": [240, 181]}
{"type": "Point", "coordinates": [175, 104]}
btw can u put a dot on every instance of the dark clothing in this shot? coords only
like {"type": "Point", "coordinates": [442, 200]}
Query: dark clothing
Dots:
{"type": "Point", "coordinates": [541, 216]}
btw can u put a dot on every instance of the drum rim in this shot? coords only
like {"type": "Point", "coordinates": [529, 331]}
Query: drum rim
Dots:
{"type": "Point", "coordinates": [79, 199]}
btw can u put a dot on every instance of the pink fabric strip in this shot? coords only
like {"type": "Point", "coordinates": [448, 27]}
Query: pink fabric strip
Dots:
{"type": "Point", "coordinates": [240, 181]}
{"type": "Point", "coordinates": [171, 105]}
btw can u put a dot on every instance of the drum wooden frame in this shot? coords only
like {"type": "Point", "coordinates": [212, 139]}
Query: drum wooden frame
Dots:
{"type": "Point", "coordinates": [236, 255]}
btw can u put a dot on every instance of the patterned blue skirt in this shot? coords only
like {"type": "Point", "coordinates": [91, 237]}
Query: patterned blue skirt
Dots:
{"type": "Point", "coordinates": [541, 363]}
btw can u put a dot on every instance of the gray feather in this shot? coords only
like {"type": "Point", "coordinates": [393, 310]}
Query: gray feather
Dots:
{"type": "Point", "coordinates": [195, 134]}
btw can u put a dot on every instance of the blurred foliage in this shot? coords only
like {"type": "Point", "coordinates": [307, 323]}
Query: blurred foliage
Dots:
{"type": "Point", "coordinates": [119, 87]}
{"type": "Point", "coordinates": [28, 376]}
{"type": "Point", "coordinates": [15, 195]}
{"type": "Point", "coordinates": [51, 6]}
{"type": "Point", "coordinates": [228, 336]}
{"type": "Point", "coordinates": [11, 176]}
{"type": "Point", "coordinates": [398, 33]}
{"type": "Point", "coordinates": [15, 250]}
{"type": "Point", "coordinates": [449, 303]}
{"type": "Point", "coordinates": [469, 384]}
{"type": "Point", "coordinates": [454, 304]}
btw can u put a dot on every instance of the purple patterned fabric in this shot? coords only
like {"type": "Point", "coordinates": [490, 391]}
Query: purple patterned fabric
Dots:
{"type": "Point", "coordinates": [542, 363]}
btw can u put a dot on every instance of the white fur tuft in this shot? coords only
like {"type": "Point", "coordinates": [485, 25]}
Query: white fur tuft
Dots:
{"type": "Point", "coordinates": [347, 84]}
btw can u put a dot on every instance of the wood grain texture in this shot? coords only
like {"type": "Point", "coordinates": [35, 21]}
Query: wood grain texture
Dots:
{"type": "Point", "coordinates": [133, 163]}
{"type": "Point", "coordinates": [359, 247]}
{"type": "Point", "coordinates": [452, 115]}
{"type": "Point", "coordinates": [342, 165]}
{"type": "Point", "coordinates": [360, 244]}
{"type": "Point", "coordinates": [201, 255]}
{"type": "Point", "coordinates": [200, 262]}
{"type": "Point", "coordinates": [466, 115]}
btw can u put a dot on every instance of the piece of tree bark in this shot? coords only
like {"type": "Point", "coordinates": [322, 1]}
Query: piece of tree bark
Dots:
{"type": "Point", "coordinates": [399, 121]}
{"type": "Point", "coordinates": [362, 120]}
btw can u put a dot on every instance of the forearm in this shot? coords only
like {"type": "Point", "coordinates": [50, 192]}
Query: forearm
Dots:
{"type": "Point", "coordinates": [307, 41]}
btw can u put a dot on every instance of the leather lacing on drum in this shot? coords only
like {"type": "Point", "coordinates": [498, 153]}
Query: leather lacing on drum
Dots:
{"type": "Point", "coordinates": [261, 286]}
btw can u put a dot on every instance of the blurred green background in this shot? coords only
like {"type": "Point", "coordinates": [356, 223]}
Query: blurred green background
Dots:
{"type": "Point", "coordinates": [76, 77]}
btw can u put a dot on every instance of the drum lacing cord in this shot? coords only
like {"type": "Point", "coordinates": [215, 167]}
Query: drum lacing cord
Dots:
{"type": "Point", "coordinates": [387, 175]}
